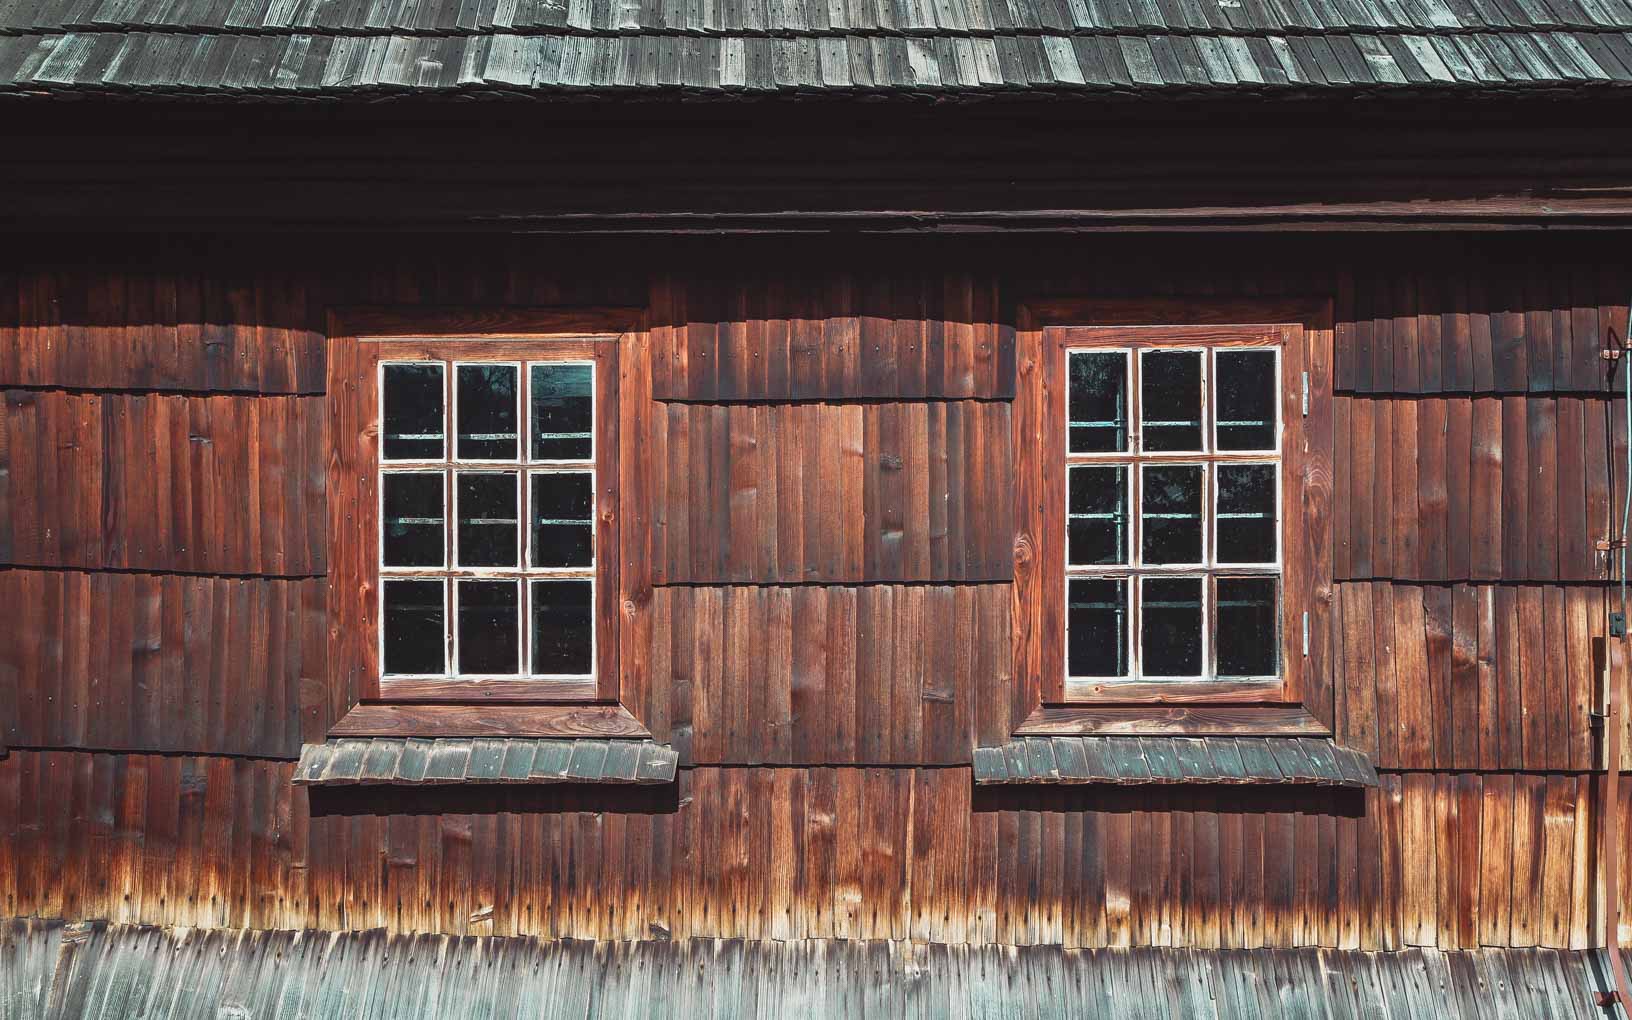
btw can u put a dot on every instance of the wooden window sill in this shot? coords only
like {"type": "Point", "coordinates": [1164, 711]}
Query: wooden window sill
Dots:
{"type": "Point", "coordinates": [562, 722]}
{"type": "Point", "coordinates": [1163, 719]}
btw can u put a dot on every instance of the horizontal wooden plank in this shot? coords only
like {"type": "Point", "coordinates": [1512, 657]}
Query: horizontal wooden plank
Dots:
{"type": "Point", "coordinates": [150, 662]}
{"type": "Point", "coordinates": [1163, 720]}
{"type": "Point", "coordinates": [217, 484]}
{"type": "Point", "coordinates": [432, 721]}
{"type": "Point", "coordinates": [795, 853]}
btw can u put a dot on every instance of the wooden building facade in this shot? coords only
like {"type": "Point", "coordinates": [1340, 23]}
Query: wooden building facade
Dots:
{"type": "Point", "coordinates": [832, 723]}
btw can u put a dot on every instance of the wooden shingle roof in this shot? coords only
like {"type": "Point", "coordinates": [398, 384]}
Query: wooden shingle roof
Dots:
{"type": "Point", "coordinates": [103, 972]}
{"type": "Point", "coordinates": [312, 48]}
{"type": "Point", "coordinates": [390, 761]}
{"type": "Point", "coordinates": [1131, 761]}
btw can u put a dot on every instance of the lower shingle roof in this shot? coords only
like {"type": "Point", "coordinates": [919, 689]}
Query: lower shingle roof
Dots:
{"type": "Point", "coordinates": [102, 972]}
{"type": "Point", "coordinates": [318, 64]}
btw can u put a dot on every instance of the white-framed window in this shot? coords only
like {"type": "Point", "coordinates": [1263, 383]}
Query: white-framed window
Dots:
{"type": "Point", "coordinates": [486, 512]}
{"type": "Point", "coordinates": [1173, 565]}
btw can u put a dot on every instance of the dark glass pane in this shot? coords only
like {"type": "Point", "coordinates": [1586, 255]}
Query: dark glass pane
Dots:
{"type": "Point", "coordinates": [563, 531]}
{"type": "Point", "coordinates": [1096, 627]}
{"type": "Point", "coordinates": [1170, 400]}
{"type": "Point", "coordinates": [488, 520]}
{"type": "Point", "coordinates": [1246, 400]}
{"type": "Point", "coordinates": [563, 411]}
{"type": "Point", "coordinates": [489, 627]}
{"type": "Point", "coordinates": [1246, 513]}
{"type": "Point", "coordinates": [1249, 642]}
{"type": "Point", "coordinates": [1097, 521]}
{"type": "Point", "coordinates": [1170, 642]}
{"type": "Point", "coordinates": [1171, 512]}
{"type": "Point", "coordinates": [563, 625]}
{"type": "Point", "coordinates": [487, 411]}
{"type": "Point", "coordinates": [413, 412]}
{"type": "Point", "coordinates": [415, 626]}
{"type": "Point", "coordinates": [1098, 405]}
{"type": "Point", "coordinates": [412, 529]}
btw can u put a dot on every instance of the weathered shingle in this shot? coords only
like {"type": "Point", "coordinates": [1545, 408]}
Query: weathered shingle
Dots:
{"type": "Point", "coordinates": [99, 971]}
{"type": "Point", "coordinates": [946, 47]}
{"type": "Point", "coordinates": [389, 761]}
{"type": "Point", "coordinates": [1133, 760]}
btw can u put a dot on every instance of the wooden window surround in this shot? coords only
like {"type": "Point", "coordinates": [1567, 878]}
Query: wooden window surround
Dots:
{"type": "Point", "coordinates": [1300, 330]}
{"type": "Point", "coordinates": [519, 701]}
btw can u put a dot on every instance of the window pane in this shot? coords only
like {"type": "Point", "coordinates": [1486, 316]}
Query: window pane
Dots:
{"type": "Point", "coordinates": [488, 521]}
{"type": "Point", "coordinates": [1249, 642]}
{"type": "Point", "coordinates": [1246, 513]}
{"type": "Point", "coordinates": [1098, 401]}
{"type": "Point", "coordinates": [1097, 525]}
{"type": "Point", "coordinates": [1170, 400]}
{"type": "Point", "coordinates": [489, 627]}
{"type": "Point", "coordinates": [415, 625]}
{"type": "Point", "coordinates": [1170, 642]}
{"type": "Point", "coordinates": [1096, 627]}
{"type": "Point", "coordinates": [413, 535]}
{"type": "Point", "coordinates": [563, 528]}
{"type": "Point", "coordinates": [1171, 513]}
{"type": "Point", "coordinates": [563, 625]}
{"type": "Point", "coordinates": [1246, 400]}
{"type": "Point", "coordinates": [413, 412]}
{"type": "Point", "coordinates": [487, 412]}
{"type": "Point", "coordinates": [563, 411]}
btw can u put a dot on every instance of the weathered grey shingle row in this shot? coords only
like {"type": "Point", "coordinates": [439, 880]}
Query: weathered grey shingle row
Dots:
{"type": "Point", "coordinates": [739, 17]}
{"type": "Point", "coordinates": [329, 65]}
{"type": "Point", "coordinates": [414, 761]}
{"type": "Point", "coordinates": [112, 972]}
{"type": "Point", "coordinates": [1135, 760]}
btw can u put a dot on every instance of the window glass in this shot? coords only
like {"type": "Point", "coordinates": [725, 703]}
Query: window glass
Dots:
{"type": "Point", "coordinates": [1097, 523]}
{"type": "Point", "coordinates": [1173, 546]}
{"type": "Point", "coordinates": [1170, 400]}
{"type": "Point", "coordinates": [562, 628]}
{"type": "Point", "coordinates": [486, 397]}
{"type": "Point", "coordinates": [1097, 401]}
{"type": "Point", "coordinates": [1097, 627]}
{"type": "Point", "coordinates": [1171, 621]}
{"type": "Point", "coordinates": [511, 544]}
{"type": "Point", "coordinates": [1246, 399]}
{"type": "Point", "coordinates": [412, 519]}
{"type": "Point", "coordinates": [563, 418]}
{"type": "Point", "coordinates": [489, 627]}
{"type": "Point", "coordinates": [411, 404]}
{"type": "Point", "coordinates": [1248, 635]}
{"type": "Point", "coordinates": [414, 627]}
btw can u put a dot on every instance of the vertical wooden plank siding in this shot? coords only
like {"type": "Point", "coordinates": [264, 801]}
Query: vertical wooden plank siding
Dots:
{"type": "Point", "coordinates": [761, 853]}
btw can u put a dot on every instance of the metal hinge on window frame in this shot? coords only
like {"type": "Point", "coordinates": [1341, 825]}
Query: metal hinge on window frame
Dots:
{"type": "Point", "coordinates": [1306, 633]}
{"type": "Point", "coordinates": [1306, 394]}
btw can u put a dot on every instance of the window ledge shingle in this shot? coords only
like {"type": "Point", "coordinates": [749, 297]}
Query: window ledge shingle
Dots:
{"type": "Point", "coordinates": [416, 761]}
{"type": "Point", "coordinates": [1130, 760]}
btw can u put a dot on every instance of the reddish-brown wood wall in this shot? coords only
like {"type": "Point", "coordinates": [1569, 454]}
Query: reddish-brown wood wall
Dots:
{"type": "Point", "coordinates": [827, 528]}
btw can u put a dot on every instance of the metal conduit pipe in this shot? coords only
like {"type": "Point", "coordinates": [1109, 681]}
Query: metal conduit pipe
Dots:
{"type": "Point", "coordinates": [1609, 837]}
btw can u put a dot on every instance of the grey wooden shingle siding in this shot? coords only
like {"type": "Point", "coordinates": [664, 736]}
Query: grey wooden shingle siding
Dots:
{"type": "Point", "coordinates": [296, 48]}
{"type": "Point", "coordinates": [1127, 761]}
{"type": "Point", "coordinates": [386, 761]}
{"type": "Point", "coordinates": [100, 972]}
